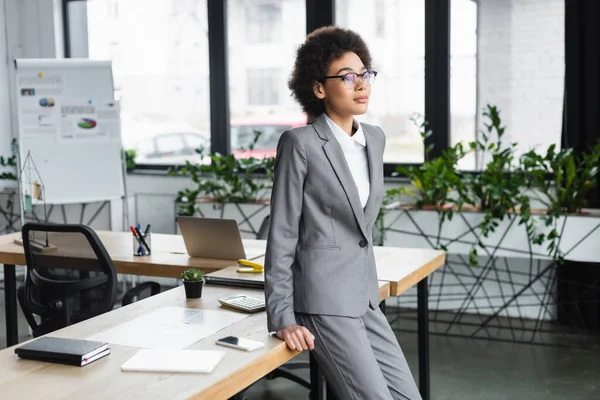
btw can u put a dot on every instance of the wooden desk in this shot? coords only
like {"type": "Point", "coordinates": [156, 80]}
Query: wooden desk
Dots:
{"type": "Point", "coordinates": [401, 267]}
{"type": "Point", "coordinates": [405, 267]}
{"type": "Point", "coordinates": [24, 379]}
{"type": "Point", "coordinates": [169, 257]}
{"type": "Point", "coordinates": [165, 261]}
{"type": "Point", "coordinates": [231, 272]}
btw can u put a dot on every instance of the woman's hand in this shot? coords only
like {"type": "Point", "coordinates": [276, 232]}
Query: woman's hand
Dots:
{"type": "Point", "coordinates": [297, 337]}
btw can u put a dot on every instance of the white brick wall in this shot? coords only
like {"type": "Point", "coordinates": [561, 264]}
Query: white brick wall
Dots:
{"type": "Point", "coordinates": [521, 67]}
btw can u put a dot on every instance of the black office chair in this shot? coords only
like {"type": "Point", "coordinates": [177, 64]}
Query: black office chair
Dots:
{"type": "Point", "coordinates": [70, 277]}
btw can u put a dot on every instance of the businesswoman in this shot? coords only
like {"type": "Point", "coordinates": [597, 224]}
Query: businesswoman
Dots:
{"type": "Point", "coordinates": [320, 277]}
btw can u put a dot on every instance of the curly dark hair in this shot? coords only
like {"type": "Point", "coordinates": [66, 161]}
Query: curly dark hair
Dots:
{"type": "Point", "coordinates": [313, 58]}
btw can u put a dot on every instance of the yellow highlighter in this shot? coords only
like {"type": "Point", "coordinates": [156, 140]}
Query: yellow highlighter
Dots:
{"type": "Point", "coordinates": [247, 266]}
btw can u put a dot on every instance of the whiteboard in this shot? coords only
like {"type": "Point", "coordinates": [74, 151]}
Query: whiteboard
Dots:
{"type": "Point", "coordinates": [77, 154]}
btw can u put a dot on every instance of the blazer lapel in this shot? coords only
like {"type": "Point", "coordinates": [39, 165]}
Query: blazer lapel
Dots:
{"type": "Point", "coordinates": [375, 171]}
{"type": "Point", "coordinates": [336, 157]}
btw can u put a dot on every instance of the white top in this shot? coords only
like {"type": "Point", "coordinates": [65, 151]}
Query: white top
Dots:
{"type": "Point", "coordinates": [355, 151]}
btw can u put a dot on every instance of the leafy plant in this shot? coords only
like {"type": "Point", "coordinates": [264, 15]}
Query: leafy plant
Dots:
{"type": "Point", "coordinates": [226, 179]}
{"type": "Point", "coordinates": [10, 162]}
{"type": "Point", "coordinates": [497, 189]}
{"type": "Point", "coordinates": [561, 181]}
{"type": "Point", "coordinates": [9, 170]}
{"type": "Point", "coordinates": [192, 275]}
{"type": "Point", "coordinates": [433, 180]}
{"type": "Point", "coordinates": [130, 156]}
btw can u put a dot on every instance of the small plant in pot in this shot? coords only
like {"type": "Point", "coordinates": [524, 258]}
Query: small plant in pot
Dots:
{"type": "Point", "coordinates": [193, 280]}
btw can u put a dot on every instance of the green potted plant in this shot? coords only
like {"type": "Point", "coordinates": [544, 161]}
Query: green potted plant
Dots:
{"type": "Point", "coordinates": [193, 280]}
{"type": "Point", "coordinates": [130, 156]}
{"type": "Point", "coordinates": [226, 179]}
{"type": "Point", "coordinates": [496, 191]}
{"type": "Point", "coordinates": [561, 181]}
{"type": "Point", "coordinates": [435, 179]}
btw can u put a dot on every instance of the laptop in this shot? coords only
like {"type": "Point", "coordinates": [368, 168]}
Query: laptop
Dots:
{"type": "Point", "coordinates": [212, 238]}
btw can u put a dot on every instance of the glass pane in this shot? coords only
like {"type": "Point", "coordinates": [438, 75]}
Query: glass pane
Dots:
{"type": "Point", "coordinates": [159, 51]}
{"type": "Point", "coordinates": [263, 37]}
{"type": "Point", "coordinates": [519, 67]}
{"type": "Point", "coordinates": [463, 76]}
{"type": "Point", "coordinates": [395, 33]}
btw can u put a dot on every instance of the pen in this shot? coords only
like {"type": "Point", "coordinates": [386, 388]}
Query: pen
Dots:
{"type": "Point", "coordinates": [147, 231]}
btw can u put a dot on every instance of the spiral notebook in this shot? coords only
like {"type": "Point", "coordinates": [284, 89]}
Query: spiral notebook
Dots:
{"type": "Point", "coordinates": [229, 277]}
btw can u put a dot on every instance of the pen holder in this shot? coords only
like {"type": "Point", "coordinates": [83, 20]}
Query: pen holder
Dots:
{"type": "Point", "coordinates": [142, 247]}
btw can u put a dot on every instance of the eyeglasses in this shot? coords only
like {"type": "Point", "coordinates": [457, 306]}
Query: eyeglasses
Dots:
{"type": "Point", "coordinates": [351, 79]}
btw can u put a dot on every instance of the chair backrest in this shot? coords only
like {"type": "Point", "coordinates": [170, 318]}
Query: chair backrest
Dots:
{"type": "Point", "coordinates": [263, 231]}
{"type": "Point", "coordinates": [70, 276]}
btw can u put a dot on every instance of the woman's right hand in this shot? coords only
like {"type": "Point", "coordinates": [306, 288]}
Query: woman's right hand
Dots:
{"type": "Point", "coordinates": [297, 337]}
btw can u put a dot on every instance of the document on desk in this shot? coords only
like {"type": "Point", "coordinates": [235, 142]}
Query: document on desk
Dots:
{"type": "Point", "coordinates": [254, 249]}
{"type": "Point", "coordinates": [167, 360]}
{"type": "Point", "coordinates": [169, 328]}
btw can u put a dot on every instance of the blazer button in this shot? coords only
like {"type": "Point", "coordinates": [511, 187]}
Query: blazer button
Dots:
{"type": "Point", "coordinates": [362, 243]}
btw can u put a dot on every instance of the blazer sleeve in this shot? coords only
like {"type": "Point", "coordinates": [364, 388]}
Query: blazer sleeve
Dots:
{"type": "Point", "coordinates": [286, 209]}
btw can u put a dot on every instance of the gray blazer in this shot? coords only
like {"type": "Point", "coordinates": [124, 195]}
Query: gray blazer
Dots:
{"type": "Point", "coordinates": [319, 257]}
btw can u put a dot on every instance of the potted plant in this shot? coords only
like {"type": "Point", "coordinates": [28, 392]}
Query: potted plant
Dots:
{"type": "Point", "coordinates": [193, 280]}
{"type": "Point", "coordinates": [234, 186]}
{"type": "Point", "coordinates": [227, 178]}
{"type": "Point", "coordinates": [435, 179]}
{"type": "Point", "coordinates": [561, 181]}
{"type": "Point", "coordinates": [497, 190]}
{"type": "Point", "coordinates": [130, 156]}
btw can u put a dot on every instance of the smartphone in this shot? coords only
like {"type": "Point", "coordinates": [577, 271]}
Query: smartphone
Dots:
{"type": "Point", "coordinates": [240, 343]}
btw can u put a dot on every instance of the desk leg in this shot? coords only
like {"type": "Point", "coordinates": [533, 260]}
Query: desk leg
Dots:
{"type": "Point", "coordinates": [423, 319]}
{"type": "Point", "coordinates": [317, 381]}
{"type": "Point", "coordinates": [10, 304]}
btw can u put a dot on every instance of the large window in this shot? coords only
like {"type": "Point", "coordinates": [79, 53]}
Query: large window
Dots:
{"type": "Point", "coordinates": [159, 51]}
{"type": "Point", "coordinates": [261, 57]}
{"type": "Point", "coordinates": [520, 68]}
{"type": "Point", "coordinates": [263, 86]}
{"type": "Point", "coordinates": [398, 51]}
{"type": "Point", "coordinates": [263, 21]}
{"type": "Point", "coordinates": [463, 76]}
{"type": "Point", "coordinates": [509, 54]}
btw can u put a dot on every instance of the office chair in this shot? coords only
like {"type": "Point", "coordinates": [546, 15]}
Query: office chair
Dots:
{"type": "Point", "coordinates": [70, 277]}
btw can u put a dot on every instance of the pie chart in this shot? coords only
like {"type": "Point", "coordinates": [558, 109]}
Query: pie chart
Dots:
{"type": "Point", "coordinates": [86, 123]}
{"type": "Point", "coordinates": [47, 102]}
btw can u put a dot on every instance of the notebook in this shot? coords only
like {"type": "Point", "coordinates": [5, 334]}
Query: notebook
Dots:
{"type": "Point", "coordinates": [169, 360]}
{"type": "Point", "coordinates": [63, 351]}
{"type": "Point", "coordinates": [229, 277]}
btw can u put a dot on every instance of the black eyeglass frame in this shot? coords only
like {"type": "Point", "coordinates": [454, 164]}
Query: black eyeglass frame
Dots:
{"type": "Point", "coordinates": [343, 77]}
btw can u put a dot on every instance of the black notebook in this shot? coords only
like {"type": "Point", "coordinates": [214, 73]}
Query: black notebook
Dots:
{"type": "Point", "coordinates": [244, 283]}
{"type": "Point", "coordinates": [64, 351]}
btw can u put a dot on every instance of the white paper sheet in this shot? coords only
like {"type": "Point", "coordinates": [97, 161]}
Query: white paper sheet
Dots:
{"type": "Point", "coordinates": [89, 121]}
{"type": "Point", "coordinates": [39, 98]}
{"type": "Point", "coordinates": [167, 360]}
{"type": "Point", "coordinates": [255, 249]}
{"type": "Point", "coordinates": [169, 328]}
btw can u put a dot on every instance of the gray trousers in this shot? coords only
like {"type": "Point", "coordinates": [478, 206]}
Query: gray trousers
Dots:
{"type": "Point", "coordinates": [360, 357]}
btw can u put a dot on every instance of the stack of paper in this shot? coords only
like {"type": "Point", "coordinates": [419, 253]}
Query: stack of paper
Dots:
{"type": "Point", "coordinates": [167, 360]}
